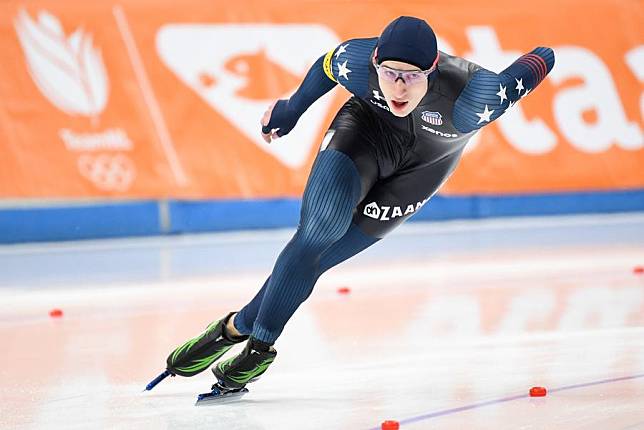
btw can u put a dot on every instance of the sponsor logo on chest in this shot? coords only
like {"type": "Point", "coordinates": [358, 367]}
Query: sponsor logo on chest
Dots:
{"type": "Point", "coordinates": [434, 118]}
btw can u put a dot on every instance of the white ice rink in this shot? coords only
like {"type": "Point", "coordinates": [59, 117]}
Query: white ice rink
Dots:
{"type": "Point", "coordinates": [447, 326]}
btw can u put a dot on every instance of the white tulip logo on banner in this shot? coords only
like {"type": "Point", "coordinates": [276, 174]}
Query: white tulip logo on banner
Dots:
{"type": "Point", "coordinates": [69, 71]}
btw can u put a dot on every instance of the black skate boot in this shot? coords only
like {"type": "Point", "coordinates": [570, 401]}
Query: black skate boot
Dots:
{"type": "Point", "coordinates": [197, 354]}
{"type": "Point", "coordinates": [246, 367]}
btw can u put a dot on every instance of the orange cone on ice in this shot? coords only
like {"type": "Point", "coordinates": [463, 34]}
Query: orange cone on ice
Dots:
{"type": "Point", "coordinates": [538, 392]}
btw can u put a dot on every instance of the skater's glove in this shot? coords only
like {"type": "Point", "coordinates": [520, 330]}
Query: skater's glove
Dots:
{"type": "Point", "coordinates": [283, 119]}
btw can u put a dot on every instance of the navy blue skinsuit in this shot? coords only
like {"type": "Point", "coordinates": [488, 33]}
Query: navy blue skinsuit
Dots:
{"type": "Point", "coordinates": [375, 170]}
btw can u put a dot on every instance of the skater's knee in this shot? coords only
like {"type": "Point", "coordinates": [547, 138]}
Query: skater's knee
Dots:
{"type": "Point", "coordinates": [323, 228]}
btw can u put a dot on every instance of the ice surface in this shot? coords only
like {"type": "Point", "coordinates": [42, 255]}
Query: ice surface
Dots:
{"type": "Point", "coordinates": [444, 323]}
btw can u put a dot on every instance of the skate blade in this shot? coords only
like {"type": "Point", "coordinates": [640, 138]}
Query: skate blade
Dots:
{"type": "Point", "coordinates": [158, 379]}
{"type": "Point", "coordinates": [220, 396]}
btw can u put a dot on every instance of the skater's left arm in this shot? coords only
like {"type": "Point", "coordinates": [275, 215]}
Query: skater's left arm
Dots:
{"type": "Point", "coordinates": [488, 95]}
{"type": "Point", "coordinates": [281, 116]}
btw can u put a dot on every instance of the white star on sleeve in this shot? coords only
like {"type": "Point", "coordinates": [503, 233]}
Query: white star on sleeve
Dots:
{"type": "Point", "coordinates": [343, 70]}
{"type": "Point", "coordinates": [519, 85]}
{"type": "Point", "coordinates": [485, 116]}
{"type": "Point", "coordinates": [501, 93]}
{"type": "Point", "coordinates": [343, 48]}
{"type": "Point", "coordinates": [527, 91]}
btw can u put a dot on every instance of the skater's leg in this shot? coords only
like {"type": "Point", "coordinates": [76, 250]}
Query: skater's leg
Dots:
{"type": "Point", "coordinates": [332, 191]}
{"type": "Point", "coordinates": [331, 194]}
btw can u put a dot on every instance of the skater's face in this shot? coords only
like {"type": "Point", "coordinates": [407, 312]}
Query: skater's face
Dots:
{"type": "Point", "coordinates": [402, 87]}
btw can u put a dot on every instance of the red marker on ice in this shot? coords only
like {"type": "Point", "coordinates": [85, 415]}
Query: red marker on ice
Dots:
{"type": "Point", "coordinates": [55, 313]}
{"type": "Point", "coordinates": [390, 425]}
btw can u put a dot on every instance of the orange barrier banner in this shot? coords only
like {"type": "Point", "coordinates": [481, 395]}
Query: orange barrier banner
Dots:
{"type": "Point", "coordinates": [143, 99]}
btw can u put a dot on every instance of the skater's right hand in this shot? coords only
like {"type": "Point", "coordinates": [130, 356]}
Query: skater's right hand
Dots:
{"type": "Point", "coordinates": [278, 120]}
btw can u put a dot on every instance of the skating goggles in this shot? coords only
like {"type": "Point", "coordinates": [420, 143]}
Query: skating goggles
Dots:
{"type": "Point", "coordinates": [409, 77]}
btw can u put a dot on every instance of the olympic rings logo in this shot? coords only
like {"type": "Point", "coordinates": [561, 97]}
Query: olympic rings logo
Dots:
{"type": "Point", "coordinates": [108, 172]}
